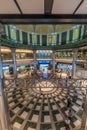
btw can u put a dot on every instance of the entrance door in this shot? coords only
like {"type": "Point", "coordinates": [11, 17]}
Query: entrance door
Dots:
{"type": "Point", "coordinates": [44, 67]}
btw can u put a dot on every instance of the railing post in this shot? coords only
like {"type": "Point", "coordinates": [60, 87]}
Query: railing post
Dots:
{"type": "Point", "coordinates": [53, 61]}
{"type": "Point", "coordinates": [74, 54]}
{"type": "Point", "coordinates": [14, 62]}
{"type": "Point", "coordinates": [84, 117]}
{"type": "Point", "coordinates": [4, 112]}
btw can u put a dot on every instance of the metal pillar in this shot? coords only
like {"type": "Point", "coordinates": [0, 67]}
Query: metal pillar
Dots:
{"type": "Point", "coordinates": [84, 117]}
{"type": "Point", "coordinates": [60, 35]}
{"type": "Point", "coordinates": [35, 60]}
{"type": "Point", "coordinates": [40, 40]}
{"type": "Point", "coordinates": [4, 112]}
{"type": "Point", "coordinates": [14, 62]}
{"type": "Point", "coordinates": [74, 68]}
{"type": "Point", "coordinates": [67, 41]}
{"type": "Point", "coordinates": [53, 61]}
{"type": "Point", "coordinates": [74, 63]}
{"type": "Point", "coordinates": [28, 38]}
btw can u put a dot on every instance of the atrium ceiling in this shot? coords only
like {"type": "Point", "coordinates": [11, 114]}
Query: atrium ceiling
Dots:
{"type": "Point", "coordinates": [45, 28]}
{"type": "Point", "coordinates": [43, 11]}
{"type": "Point", "coordinates": [42, 6]}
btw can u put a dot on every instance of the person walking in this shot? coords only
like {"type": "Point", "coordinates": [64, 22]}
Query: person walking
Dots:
{"type": "Point", "coordinates": [68, 103]}
{"type": "Point", "coordinates": [67, 123]}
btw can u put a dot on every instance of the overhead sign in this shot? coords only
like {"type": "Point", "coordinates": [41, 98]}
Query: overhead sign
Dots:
{"type": "Point", "coordinates": [44, 62]}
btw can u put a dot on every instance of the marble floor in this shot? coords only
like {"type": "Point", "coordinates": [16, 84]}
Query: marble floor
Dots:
{"type": "Point", "coordinates": [30, 110]}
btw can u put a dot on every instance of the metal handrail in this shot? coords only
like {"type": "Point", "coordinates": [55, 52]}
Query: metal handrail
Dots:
{"type": "Point", "coordinates": [70, 45]}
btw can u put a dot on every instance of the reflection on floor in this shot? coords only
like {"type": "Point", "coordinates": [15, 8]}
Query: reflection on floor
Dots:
{"type": "Point", "coordinates": [30, 110]}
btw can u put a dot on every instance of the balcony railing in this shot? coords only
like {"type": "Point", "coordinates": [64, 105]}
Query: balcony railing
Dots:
{"type": "Point", "coordinates": [16, 44]}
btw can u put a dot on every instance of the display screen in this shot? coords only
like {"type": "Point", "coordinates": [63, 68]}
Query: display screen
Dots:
{"type": "Point", "coordinates": [44, 67]}
{"type": "Point", "coordinates": [65, 67]}
{"type": "Point", "coordinates": [44, 62]}
{"type": "Point", "coordinates": [5, 67]}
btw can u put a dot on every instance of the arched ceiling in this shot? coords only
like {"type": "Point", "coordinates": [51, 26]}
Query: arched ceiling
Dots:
{"type": "Point", "coordinates": [45, 28]}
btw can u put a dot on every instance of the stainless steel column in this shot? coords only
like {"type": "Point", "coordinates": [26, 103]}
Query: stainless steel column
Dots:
{"type": "Point", "coordinates": [53, 61]}
{"type": "Point", "coordinates": [68, 32]}
{"type": "Point", "coordinates": [4, 112]}
{"type": "Point", "coordinates": [84, 117]}
{"type": "Point", "coordinates": [74, 53]}
{"type": "Point", "coordinates": [14, 61]}
{"type": "Point", "coordinates": [35, 60]}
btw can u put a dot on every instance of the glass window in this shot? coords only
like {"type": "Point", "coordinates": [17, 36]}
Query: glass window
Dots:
{"type": "Point", "coordinates": [54, 39]}
{"type": "Point", "coordinates": [75, 33]}
{"type": "Point", "coordinates": [34, 38]}
{"type": "Point", "coordinates": [24, 35]}
{"type": "Point", "coordinates": [49, 39]}
{"type": "Point", "coordinates": [13, 33]}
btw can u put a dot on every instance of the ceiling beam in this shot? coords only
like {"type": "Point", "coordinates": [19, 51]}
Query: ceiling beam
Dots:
{"type": "Point", "coordinates": [48, 5]}
{"type": "Point", "coordinates": [78, 6]}
{"type": "Point", "coordinates": [17, 5]}
{"type": "Point", "coordinates": [43, 19]}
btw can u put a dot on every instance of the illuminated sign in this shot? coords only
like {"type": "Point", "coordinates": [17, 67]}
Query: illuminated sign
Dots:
{"type": "Point", "coordinates": [44, 62]}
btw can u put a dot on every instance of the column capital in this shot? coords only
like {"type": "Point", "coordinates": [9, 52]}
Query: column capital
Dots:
{"type": "Point", "coordinates": [75, 50]}
{"type": "Point", "coordinates": [34, 51]}
{"type": "Point", "coordinates": [74, 53]}
{"type": "Point", "coordinates": [13, 49]}
{"type": "Point", "coordinates": [53, 51]}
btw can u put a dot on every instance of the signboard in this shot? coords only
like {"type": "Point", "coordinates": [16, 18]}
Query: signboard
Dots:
{"type": "Point", "coordinates": [44, 62]}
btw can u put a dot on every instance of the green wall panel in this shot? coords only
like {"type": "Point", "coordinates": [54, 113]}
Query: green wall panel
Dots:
{"type": "Point", "coordinates": [57, 39]}
{"type": "Point", "coordinates": [24, 36]}
{"type": "Point", "coordinates": [38, 39]}
{"type": "Point", "coordinates": [30, 35]}
{"type": "Point", "coordinates": [63, 39]}
{"type": "Point", "coordinates": [71, 35]}
{"type": "Point", "coordinates": [17, 35]}
{"type": "Point", "coordinates": [44, 40]}
{"type": "Point", "coordinates": [9, 34]}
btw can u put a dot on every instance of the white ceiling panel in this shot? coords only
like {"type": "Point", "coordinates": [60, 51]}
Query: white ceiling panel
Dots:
{"type": "Point", "coordinates": [83, 8]}
{"type": "Point", "coordinates": [64, 6]}
{"type": "Point", "coordinates": [8, 7]}
{"type": "Point", "coordinates": [32, 6]}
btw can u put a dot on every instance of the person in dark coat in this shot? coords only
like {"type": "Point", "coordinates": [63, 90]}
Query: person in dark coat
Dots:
{"type": "Point", "coordinates": [68, 103]}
